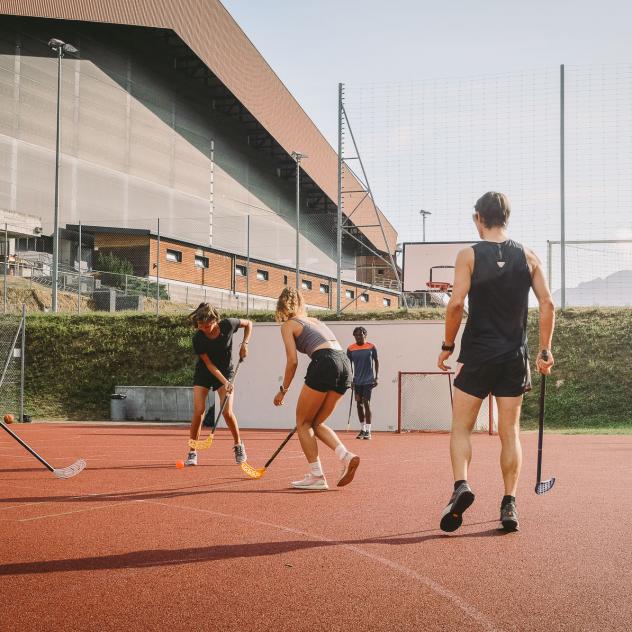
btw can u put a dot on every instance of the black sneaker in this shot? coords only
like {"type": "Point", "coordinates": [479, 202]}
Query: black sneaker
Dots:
{"type": "Point", "coordinates": [360, 435]}
{"type": "Point", "coordinates": [452, 516]}
{"type": "Point", "coordinates": [367, 435]}
{"type": "Point", "coordinates": [509, 518]}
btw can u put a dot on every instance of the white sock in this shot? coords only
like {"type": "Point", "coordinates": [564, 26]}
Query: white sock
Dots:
{"type": "Point", "coordinates": [365, 427]}
{"type": "Point", "coordinates": [341, 452]}
{"type": "Point", "coordinates": [368, 428]}
{"type": "Point", "coordinates": [315, 468]}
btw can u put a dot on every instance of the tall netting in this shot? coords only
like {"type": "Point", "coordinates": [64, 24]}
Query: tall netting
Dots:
{"type": "Point", "coordinates": [10, 365]}
{"type": "Point", "coordinates": [438, 145]}
{"type": "Point", "coordinates": [425, 404]}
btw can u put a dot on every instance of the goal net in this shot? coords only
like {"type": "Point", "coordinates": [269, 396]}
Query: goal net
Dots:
{"type": "Point", "coordinates": [425, 403]}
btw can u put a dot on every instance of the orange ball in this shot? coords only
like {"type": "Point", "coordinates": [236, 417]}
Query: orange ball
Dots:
{"type": "Point", "coordinates": [179, 464]}
{"type": "Point", "coordinates": [9, 418]}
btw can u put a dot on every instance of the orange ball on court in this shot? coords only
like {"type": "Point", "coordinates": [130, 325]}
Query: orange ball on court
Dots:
{"type": "Point", "coordinates": [179, 464]}
{"type": "Point", "coordinates": [9, 418]}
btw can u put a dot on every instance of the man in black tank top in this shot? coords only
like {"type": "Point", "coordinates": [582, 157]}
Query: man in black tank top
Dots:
{"type": "Point", "coordinates": [495, 275]}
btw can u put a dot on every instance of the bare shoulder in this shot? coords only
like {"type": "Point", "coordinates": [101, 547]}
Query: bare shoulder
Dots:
{"type": "Point", "coordinates": [465, 256]}
{"type": "Point", "coordinates": [533, 261]}
{"type": "Point", "coordinates": [290, 325]}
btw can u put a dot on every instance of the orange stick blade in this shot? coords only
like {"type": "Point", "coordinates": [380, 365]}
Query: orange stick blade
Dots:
{"type": "Point", "coordinates": [252, 472]}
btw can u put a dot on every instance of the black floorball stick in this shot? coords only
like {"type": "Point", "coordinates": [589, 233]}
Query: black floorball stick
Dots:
{"type": "Point", "coordinates": [59, 472]}
{"type": "Point", "coordinates": [258, 472]}
{"type": "Point", "coordinates": [541, 487]}
{"type": "Point", "coordinates": [204, 444]}
{"type": "Point", "coordinates": [350, 408]}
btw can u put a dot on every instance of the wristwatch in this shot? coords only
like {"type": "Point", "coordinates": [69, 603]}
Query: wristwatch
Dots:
{"type": "Point", "coordinates": [284, 390]}
{"type": "Point", "coordinates": [445, 347]}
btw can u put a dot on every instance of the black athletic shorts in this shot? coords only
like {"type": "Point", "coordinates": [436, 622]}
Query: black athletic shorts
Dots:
{"type": "Point", "coordinates": [203, 377]}
{"type": "Point", "coordinates": [329, 370]}
{"type": "Point", "coordinates": [363, 391]}
{"type": "Point", "coordinates": [504, 379]}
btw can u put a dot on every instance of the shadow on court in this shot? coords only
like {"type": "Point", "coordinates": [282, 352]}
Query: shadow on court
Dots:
{"type": "Point", "coordinates": [149, 558]}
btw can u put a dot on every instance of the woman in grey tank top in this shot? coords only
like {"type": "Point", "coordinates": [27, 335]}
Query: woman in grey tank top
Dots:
{"type": "Point", "coordinates": [326, 381]}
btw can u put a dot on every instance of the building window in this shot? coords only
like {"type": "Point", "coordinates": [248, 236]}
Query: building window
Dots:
{"type": "Point", "coordinates": [306, 285]}
{"type": "Point", "coordinates": [386, 302]}
{"type": "Point", "coordinates": [262, 275]}
{"type": "Point", "coordinates": [324, 288]}
{"type": "Point", "coordinates": [240, 270]}
{"type": "Point", "coordinates": [380, 271]}
{"type": "Point", "coordinates": [364, 298]}
{"type": "Point", "coordinates": [174, 255]}
{"type": "Point", "coordinates": [201, 262]}
{"type": "Point", "coordinates": [285, 279]}
{"type": "Point", "coordinates": [349, 293]}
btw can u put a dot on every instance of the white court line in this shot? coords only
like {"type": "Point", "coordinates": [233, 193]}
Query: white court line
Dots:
{"type": "Point", "coordinates": [67, 513]}
{"type": "Point", "coordinates": [431, 584]}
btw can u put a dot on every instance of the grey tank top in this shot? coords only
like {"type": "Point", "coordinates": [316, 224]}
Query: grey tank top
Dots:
{"type": "Point", "coordinates": [313, 336]}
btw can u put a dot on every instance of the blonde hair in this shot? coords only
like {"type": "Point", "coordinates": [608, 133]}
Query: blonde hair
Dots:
{"type": "Point", "coordinates": [290, 303]}
{"type": "Point", "coordinates": [204, 313]}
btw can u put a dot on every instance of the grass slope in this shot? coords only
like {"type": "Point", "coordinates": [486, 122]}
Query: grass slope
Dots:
{"type": "Point", "coordinates": [74, 362]}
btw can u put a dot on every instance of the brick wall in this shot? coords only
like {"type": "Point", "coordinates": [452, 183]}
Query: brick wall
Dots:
{"type": "Point", "coordinates": [220, 273]}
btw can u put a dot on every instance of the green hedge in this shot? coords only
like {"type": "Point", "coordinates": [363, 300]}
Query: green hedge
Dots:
{"type": "Point", "coordinates": [74, 362]}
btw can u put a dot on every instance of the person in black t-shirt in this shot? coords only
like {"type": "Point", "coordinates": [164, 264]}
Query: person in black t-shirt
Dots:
{"type": "Point", "coordinates": [496, 275]}
{"type": "Point", "coordinates": [213, 343]}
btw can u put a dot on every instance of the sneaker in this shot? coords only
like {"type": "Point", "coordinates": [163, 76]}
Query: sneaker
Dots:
{"type": "Point", "coordinates": [367, 435]}
{"type": "Point", "coordinates": [240, 453]}
{"type": "Point", "coordinates": [509, 518]}
{"type": "Point", "coordinates": [309, 481]}
{"type": "Point", "coordinates": [349, 466]}
{"type": "Point", "coordinates": [191, 458]}
{"type": "Point", "coordinates": [360, 435]}
{"type": "Point", "coordinates": [452, 516]}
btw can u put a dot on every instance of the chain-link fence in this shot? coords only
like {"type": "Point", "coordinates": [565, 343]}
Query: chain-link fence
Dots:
{"type": "Point", "coordinates": [104, 266]}
{"type": "Point", "coordinates": [556, 140]}
{"type": "Point", "coordinates": [12, 340]}
{"type": "Point", "coordinates": [425, 404]}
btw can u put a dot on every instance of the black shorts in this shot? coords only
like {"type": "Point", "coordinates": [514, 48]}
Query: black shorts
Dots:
{"type": "Point", "coordinates": [504, 379]}
{"type": "Point", "coordinates": [363, 391]}
{"type": "Point", "coordinates": [203, 377]}
{"type": "Point", "coordinates": [329, 370]}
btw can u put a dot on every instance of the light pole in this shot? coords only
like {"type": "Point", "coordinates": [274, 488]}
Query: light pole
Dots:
{"type": "Point", "coordinates": [298, 157]}
{"type": "Point", "coordinates": [59, 48]}
{"type": "Point", "coordinates": [424, 214]}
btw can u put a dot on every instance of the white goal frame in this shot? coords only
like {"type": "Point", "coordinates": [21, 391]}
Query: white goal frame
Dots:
{"type": "Point", "coordinates": [488, 417]}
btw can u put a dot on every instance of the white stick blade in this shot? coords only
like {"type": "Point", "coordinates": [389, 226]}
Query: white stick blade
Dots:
{"type": "Point", "coordinates": [71, 470]}
{"type": "Point", "coordinates": [545, 486]}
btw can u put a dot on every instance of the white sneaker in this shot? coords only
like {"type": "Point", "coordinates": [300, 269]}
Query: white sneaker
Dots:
{"type": "Point", "coordinates": [315, 483]}
{"type": "Point", "coordinates": [349, 466]}
{"type": "Point", "coordinates": [191, 458]}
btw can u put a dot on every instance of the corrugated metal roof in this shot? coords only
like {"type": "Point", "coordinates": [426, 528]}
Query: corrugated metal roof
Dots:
{"type": "Point", "coordinates": [214, 36]}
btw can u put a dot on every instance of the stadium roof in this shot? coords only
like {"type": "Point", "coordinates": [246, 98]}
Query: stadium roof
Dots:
{"type": "Point", "coordinates": [209, 31]}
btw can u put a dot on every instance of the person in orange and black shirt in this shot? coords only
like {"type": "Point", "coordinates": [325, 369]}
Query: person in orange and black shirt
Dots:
{"type": "Point", "coordinates": [363, 356]}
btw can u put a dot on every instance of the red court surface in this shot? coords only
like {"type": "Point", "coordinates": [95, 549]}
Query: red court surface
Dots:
{"type": "Point", "coordinates": [133, 543]}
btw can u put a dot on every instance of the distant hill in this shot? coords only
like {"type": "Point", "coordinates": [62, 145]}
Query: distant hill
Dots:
{"type": "Point", "coordinates": [613, 291]}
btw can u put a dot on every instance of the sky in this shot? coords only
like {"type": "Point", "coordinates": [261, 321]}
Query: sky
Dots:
{"type": "Point", "coordinates": [313, 45]}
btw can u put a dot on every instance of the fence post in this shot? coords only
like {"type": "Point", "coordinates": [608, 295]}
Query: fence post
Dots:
{"type": "Point", "coordinates": [126, 285]}
{"type": "Point", "coordinates": [158, 271]}
{"type": "Point", "coordinates": [562, 196]}
{"type": "Point", "coordinates": [6, 263]}
{"type": "Point", "coordinates": [79, 282]}
{"type": "Point", "coordinates": [22, 361]}
{"type": "Point", "coordinates": [248, 264]}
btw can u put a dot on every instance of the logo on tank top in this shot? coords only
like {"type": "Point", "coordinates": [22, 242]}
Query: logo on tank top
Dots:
{"type": "Point", "coordinates": [500, 264]}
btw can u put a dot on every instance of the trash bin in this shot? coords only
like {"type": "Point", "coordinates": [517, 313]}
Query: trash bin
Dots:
{"type": "Point", "coordinates": [117, 406]}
